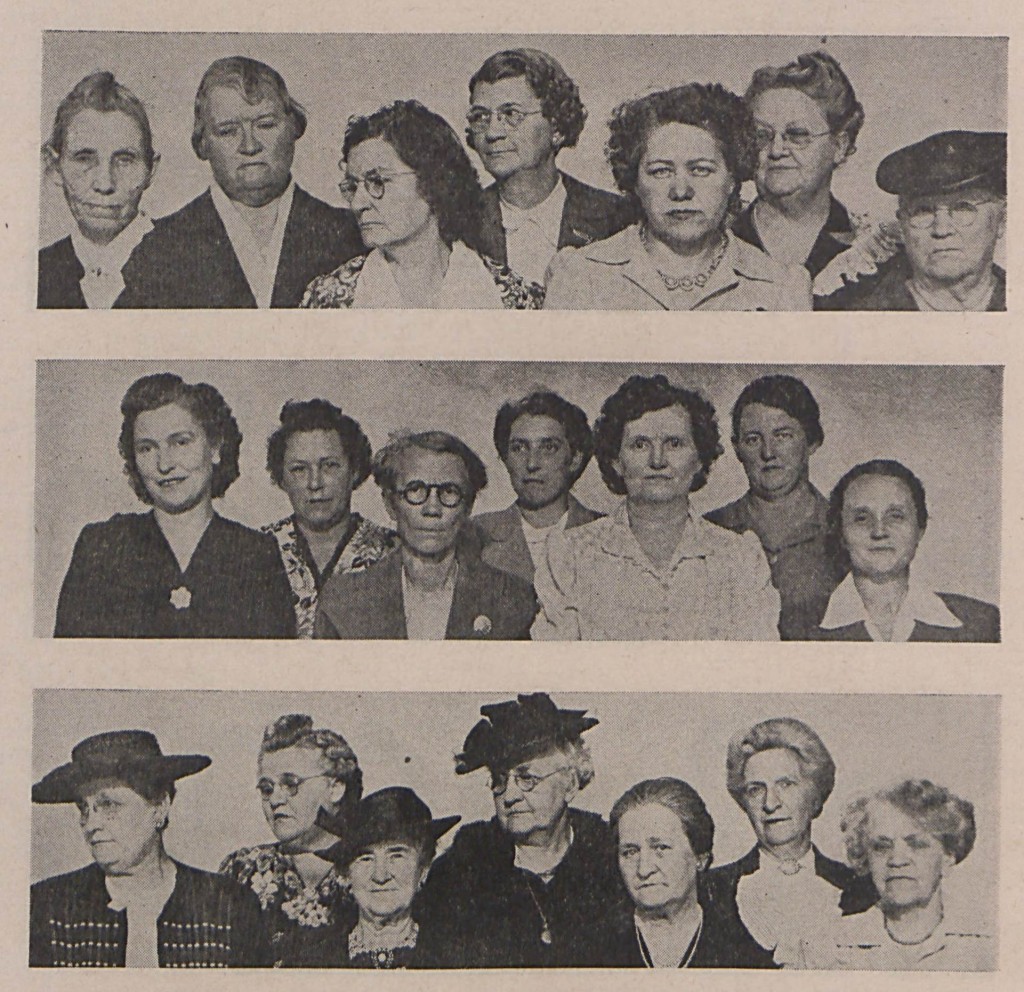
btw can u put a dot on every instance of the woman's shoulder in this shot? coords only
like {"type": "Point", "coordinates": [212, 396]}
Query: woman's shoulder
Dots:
{"type": "Point", "coordinates": [243, 538]}
{"type": "Point", "coordinates": [115, 529]}
{"type": "Point", "coordinates": [981, 620]}
{"type": "Point", "coordinates": [759, 267]}
{"type": "Point", "coordinates": [334, 290]}
{"type": "Point", "coordinates": [246, 861]}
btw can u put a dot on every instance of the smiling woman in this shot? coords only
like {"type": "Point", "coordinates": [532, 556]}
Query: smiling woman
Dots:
{"type": "Point", "coordinates": [180, 570]}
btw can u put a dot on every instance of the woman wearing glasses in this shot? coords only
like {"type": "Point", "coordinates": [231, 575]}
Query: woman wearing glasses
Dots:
{"type": "Point", "coordinates": [303, 772]}
{"type": "Point", "coordinates": [434, 587]}
{"type": "Point", "coordinates": [417, 199]}
{"type": "Point", "coordinates": [807, 119]}
{"type": "Point", "coordinates": [681, 156]}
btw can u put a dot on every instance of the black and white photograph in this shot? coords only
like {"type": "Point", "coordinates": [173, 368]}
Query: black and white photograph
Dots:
{"type": "Point", "coordinates": [514, 830]}
{"type": "Point", "coordinates": [573, 172]}
{"type": "Point", "coordinates": [516, 500]}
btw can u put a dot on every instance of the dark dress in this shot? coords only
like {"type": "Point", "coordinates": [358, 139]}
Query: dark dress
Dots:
{"type": "Point", "coordinates": [60, 276]}
{"type": "Point", "coordinates": [305, 927]}
{"type": "Point", "coordinates": [187, 260]}
{"type": "Point", "coordinates": [722, 944]}
{"type": "Point", "coordinates": [124, 581]}
{"type": "Point", "coordinates": [481, 911]}
{"type": "Point", "coordinates": [980, 620]}
{"type": "Point", "coordinates": [208, 922]}
{"type": "Point", "coordinates": [857, 893]}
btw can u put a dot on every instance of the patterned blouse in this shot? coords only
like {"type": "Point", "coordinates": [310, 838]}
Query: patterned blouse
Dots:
{"type": "Point", "coordinates": [298, 917]}
{"type": "Point", "coordinates": [364, 543]}
{"type": "Point", "coordinates": [337, 289]}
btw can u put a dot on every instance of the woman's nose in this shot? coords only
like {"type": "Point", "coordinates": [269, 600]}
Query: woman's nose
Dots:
{"type": "Point", "coordinates": [250, 143]}
{"type": "Point", "coordinates": [771, 800]}
{"type": "Point", "coordinates": [103, 177]}
{"type": "Point", "coordinates": [381, 871]}
{"type": "Point", "coordinates": [656, 458]}
{"type": "Point", "coordinates": [767, 449]}
{"type": "Point", "coordinates": [681, 189]}
{"type": "Point", "coordinates": [645, 864]}
{"type": "Point", "coordinates": [165, 459]}
{"type": "Point", "coordinates": [315, 480]}
{"type": "Point", "coordinates": [878, 528]}
{"type": "Point", "coordinates": [432, 507]}
{"type": "Point", "coordinates": [943, 225]}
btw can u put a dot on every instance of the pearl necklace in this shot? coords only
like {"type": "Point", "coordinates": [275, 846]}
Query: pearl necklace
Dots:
{"type": "Point", "coordinates": [686, 283]}
{"type": "Point", "coordinates": [687, 954]}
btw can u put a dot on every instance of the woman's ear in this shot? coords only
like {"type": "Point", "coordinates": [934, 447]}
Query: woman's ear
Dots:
{"type": "Point", "coordinates": [153, 169]}
{"type": "Point", "coordinates": [51, 166]}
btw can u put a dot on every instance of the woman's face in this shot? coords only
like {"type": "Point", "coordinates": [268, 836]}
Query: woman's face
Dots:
{"type": "Point", "coordinates": [779, 800]}
{"type": "Point", "coordinates": [683, 185]}
{"type": "Point", "coordinates": [658, 458]}
{"type": "Point", "coordinates": [783, 170]}
{"type": "Point", "coordinates": [317, 478]}
{"type": "Point", "coordinates": [905, 860]}
{"type": "Point", "coordinates": [429, 529]}
{"type": "Point", "coordinates": [401, 215]}
{"type": "Point", "coordinates": [385, 877]}
{"type": "Point", "coordinates": [103, 172]}
{"type": "Point", "coordinates": [880, 529]}
{"type": "Point", "coordinates": [121, 827]}
{"type": "Point", "coordinates": [299, 770]}
{"type": "Point", "coordinates": [174, 457]}
{"type": "Point", "coordinates": [655, 857]}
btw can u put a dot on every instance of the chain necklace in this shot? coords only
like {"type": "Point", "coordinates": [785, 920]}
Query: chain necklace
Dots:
{"type": "Point", "coordinates": [688, 954]}
{"type": "Point", "coordinates": [686, 283]}
{"type": "Point", "coordinates": [545, 933]}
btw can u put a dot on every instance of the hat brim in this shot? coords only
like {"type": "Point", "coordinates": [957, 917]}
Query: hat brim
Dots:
{"type": "Point", "coordinates": [344, 851]}
{"type": "Point", "coordinates": [64, 784]}
{"type": "Point", "coordinates": [506, 753]}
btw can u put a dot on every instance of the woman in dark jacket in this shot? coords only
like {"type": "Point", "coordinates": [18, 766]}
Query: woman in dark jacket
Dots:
{"type": "Point", "coordinates": [180, 570]}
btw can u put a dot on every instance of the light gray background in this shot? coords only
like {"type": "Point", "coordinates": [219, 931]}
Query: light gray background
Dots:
{"type": "Point", "coordinates": [944, 422]}
{"type": "Point", "coordinates": [411, 738]}
{"type": "Point", "coordinates": [910, 87]}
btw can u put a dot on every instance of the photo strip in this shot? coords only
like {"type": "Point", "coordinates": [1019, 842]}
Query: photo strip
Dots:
{"type": "Point", "coordinates": [523, 830]}
{"type": "Point", "coordinates": [592, 501]}
{"type": "Point", "coordinates": [571, 172]}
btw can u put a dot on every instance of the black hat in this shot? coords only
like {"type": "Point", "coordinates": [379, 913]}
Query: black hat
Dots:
{"type": "Point", "coordinates": [513, 729]}
{"type": "Point", "coordinates": [946, 163]}
{"type": "Point", "coordinates": [116, 754]}
{"type": "Point", "coordinates": [395, 813]}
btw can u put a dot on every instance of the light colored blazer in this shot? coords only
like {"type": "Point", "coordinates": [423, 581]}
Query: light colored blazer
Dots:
{"type": "Point", "coordinates": [618, 274]}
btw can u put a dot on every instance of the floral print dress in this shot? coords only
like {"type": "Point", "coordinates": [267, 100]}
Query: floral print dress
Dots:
{"type": "Point", "coordinates": [301, 920]}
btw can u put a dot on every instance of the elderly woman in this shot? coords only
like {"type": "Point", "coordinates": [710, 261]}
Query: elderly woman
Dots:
{"type": "Point", "coordinates": [180, 570]}
{"type": "Point", "coordinates": [318, 457]}
{"type": "Point", "coordinates": [681, 156]}
{"type": "Point", "coordinates": [100, 154]}
{"type": "Point", "coordinates": [135, 906]}
{"type": "Point", "coordinates": [905, 838]}
{"type": "Point", "coordinates": [304, 773]}
{"type": "Point", "coordinates": [780, 773]}
{"type": "Point", "coordinates": [664, 834]}
{"type": "Point", "coordinates": [417, 199]}
{"type": "Point", "coordinates": [876, 518]}
{"type": "Point", "coordinates": [655, 569]}
{"type": "Point", "coordinates": [434, 587]}
{"type": "Point", "coordinates": [387, 846]}
{"type": "Point", "coordinates": [807, 119]}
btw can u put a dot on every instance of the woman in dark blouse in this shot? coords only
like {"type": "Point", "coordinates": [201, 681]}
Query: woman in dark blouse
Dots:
{"type": "Point", "coordinates": [180, 570]}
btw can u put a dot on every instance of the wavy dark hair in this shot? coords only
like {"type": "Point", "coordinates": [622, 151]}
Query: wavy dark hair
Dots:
{"type": "Point", "coordinates": [559, 96]}
{"type": "Point", "coordinates": [712, 108]}
{"type": "Point", "coordinates": [545, 403]}
{"type": "Point", "coordinates": [100, 91]}
{"type": "Point", "coordinates": [207, 407]}
{"type": "Point", "coordinates": [426, 143]}
{"type": "Point", "coordinates": [786, 393]}
{"type": "Point", "coordinates": [886, 467]}
{"type": "Point", "coordinates": [641, 394]}
{"type": "Point", "coordinates": [385, 463]}
{"type": "Point", "coordinates": [298, 416]}
{"type": "Point", "coordinates": [819, 77]}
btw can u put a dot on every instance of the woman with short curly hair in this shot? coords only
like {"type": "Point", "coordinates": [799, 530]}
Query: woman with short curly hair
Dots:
{"type": "Point", "coordinates": [417, 199]}
{"type": "Point", "coordinates": [180, 570]}
{"type": "Point", "coordinates": [906, 838]}
{"type": "Point", "coordinates": [681, 156]}
{"type": "Point", "coordinates": [654, 569]}
{"type": "Point", "coordinates": [307, 775]}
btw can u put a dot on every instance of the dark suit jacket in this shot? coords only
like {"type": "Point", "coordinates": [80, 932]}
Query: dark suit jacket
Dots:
{"type": "Point", "coordinates": [589, 215]}
{"type": "Point", "coordinates": [60, 275]}
{"type": "Point", "coordinates": [367, 605]}
{"type": "Point", "coordinates": [187, 260]}
{"type": "Point", "coordinates": [887, 290]}
{"type": "Point", "coordinates": [981, 624]}
{"type": "Point", "coordinates": [857, 892]}
{"type": "Point", "coordinates": [503, 545]}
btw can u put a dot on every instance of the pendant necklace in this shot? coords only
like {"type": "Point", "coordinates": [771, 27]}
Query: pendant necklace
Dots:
{"type": "Point", "coordinates": [688, 954]}
{"type": "Point", "coordinates": [545, 933]}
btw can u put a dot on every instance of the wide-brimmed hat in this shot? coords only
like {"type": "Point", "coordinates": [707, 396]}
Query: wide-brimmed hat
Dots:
{"type": "Point", "coordinates": [391, 814]}
{"type": "Point", "coordinates": [511, 731]}
{"type": "Point", "coordinates": [947, 162]}
{"type": "Point", "coordinates": [117, 754]}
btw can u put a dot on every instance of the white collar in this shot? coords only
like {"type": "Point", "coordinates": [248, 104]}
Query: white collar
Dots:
{"type": "Point", "coordinates": [102, 282]}
{"type": "Point", "coordinates": [547, 214]}
{"type": "Point", "coordinates": [537, 535]}
{"type": "Point", "coordinates": [260, 269]}
{"type": "Point", "coordinates": [467, 284]}
{"type": "Point", "coordinates": [766, 861]}
{"type": "Point", "coordinates": [943, 301]}
{"type": "Point", "coordinates": [845, 608]}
